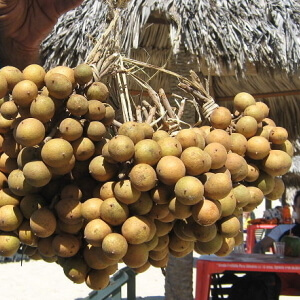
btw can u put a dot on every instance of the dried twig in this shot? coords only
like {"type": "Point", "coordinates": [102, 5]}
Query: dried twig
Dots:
{"type": "Point", "coordinates": [151, 115]}
{"type": "Point", "coordinates": [138, 112]}
{"type": "Point", "coordinates": [166, 103]}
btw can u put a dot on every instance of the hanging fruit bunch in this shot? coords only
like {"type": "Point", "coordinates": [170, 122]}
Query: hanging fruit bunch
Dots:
{"type": "Point", "coordinates": [87, 191]}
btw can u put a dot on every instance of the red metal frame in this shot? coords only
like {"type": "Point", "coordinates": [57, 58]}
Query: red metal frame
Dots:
{"type": "Point", "coordinates": [250, 239]}
{"type": "Point", "coordinates": [210, 264]}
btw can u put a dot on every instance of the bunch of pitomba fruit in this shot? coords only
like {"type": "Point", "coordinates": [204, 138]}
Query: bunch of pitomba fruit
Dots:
{"type": "Point", "coordinates": [72, 193]}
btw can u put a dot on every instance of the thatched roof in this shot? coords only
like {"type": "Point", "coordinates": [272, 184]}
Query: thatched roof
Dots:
{"type": "Point", "coordinates": [251, 46]}
{"type": "Point", "coordinates": [292, 178]}
{"type": "Point", "coordinates": [219, 32]}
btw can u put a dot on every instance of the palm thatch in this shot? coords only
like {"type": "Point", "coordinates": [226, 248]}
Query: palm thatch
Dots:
{"type": "Point", "coordinates": [292, 178]}
{"type": "Point", "coordinates": [248, 46]}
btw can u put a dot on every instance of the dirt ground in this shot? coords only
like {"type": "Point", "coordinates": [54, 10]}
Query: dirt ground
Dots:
{"type": "Point", "coordinates": [36, 280]}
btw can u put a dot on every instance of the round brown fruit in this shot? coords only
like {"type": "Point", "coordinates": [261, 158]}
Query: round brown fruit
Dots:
{"type": "Point", "coordinates": [114, 246]}
{"type": "Point", "coordinates": [83, 74]}
{"type": "Point", "coordinates": [95, 231]}
{"type": "Point", "coordinates": [256, 198]}
{"type": "Point", "coordinates": [228, 204]}
{"type": "Point", "coordinates": [237, 166]}
{"type": "Point", "coordinates": [25, 234]}
{"type": "Point", "coordinates": [278, 189]}
{"type": "Point", "coordinates": [209, 247]}
{"type": "Point", "coordinates": [9, 110]}
{"type": "Point", "coordinates": [11, 147]}
{"type": "Point", "coordinates": [258, 147]}
{"type": "Point", "coordinates": [178, 210]}
{"type": "Point", "coordinates": [90, 208]}
{"type": "Point", "coordinates": [159, 211]}
{"type": "Point", "coordinates": [3, 86]}
{"type": "Point", "coordinates": [170, 146]}
{"type": "Point", "coordinates": [71, 191]}
{"type": "Point", "coordinates": [136, 229]}
{"type": "Point", "coordinates": [287, 147]}
{"type": "Point", "coordinates": [277, 163]}
{"type": "Point", "coordinates": [142, 206]}
{"type": "Point", "coordinates": [217, 186]}
{"type": "Point", "coordinates": [242, 195]}
{"type": "Point", "coordinates": [8, 197]}
{"type": "Point", "coordinates": [264, 131]}
{"type": "Point", "coordinates": [206, 212]}
{"type": "Point", "coordinates": [76, 269]}
{"type": "Point", "coordinates": [7, 164]}
{"type": "Point", "coordinates": [106, 190]}
{"type": "Point", "coordinates": [189, 190]}
{"type": "Point", "coordinates": [97, 279]}
{"type": "Point", "coordinates": [170, 169]}
{"type": "Point", "coordinates": [148, 130]}
{"type": "Point", "coordinates": [255, 111]}
{"type": "Point", "coordinates": [70, 129]}
{"type": "Point", "coordinates": [5, 124]}
{"type": "Point", "coordinates": [42, 108]}
{"type": "Point", "coordinates": [125, 192]}
{"type": "Point", "coordinates": [218, 154]}
{"type": "Point", "coordinates": [96, 111]}
{"type": "Point", "coordinates": [196, 161]}
{"type": "Point", "coordinates": [12, 75]}
{"type": "Point", "coordinates": [97, 91]}
{"type": "Point", "coordinates": [238, 143]}
{"type": "Point", "coordinates": [114, 212]}
{"type": "Point", "coordinates": [77, 105]}
{"type": "Point", "coordinates": [160, 135]}
{"type": "Point", "coordinates": [264, 182]}
{"type": "Point", "coordinates": [220, 118]}
{"type": "Point", "coordinates": [219, 136]}
{"type": "Point", "coordinates": [63, 70]}
{"type": "Point", "coordinates": [163, 228]}
{"type": "Point", "coordinates": [187, 138]}
{"type": "Point", "coordinates": [95, 258]}
{"type": "Point", "coordinates": [30, 203]}
{"type": "Point", "coordinates": [242, 100]}
{"type": "Point", "coordinates": [264, 108]}
{"type": "Point", "coordinates": [65, 245]}
{"type": "Point", "coordinates": [161, 193]}
{"type": "Point", "coordinates": [247, 126]}
{"type": "Point", "coordinates": [57, 152]}
{"type": "Point", "coordinates": [109, 115]}
{"type": "Point", "coordinates": [9, 244]}
{"type": "Point", "coordinates": [37, 173]}
{"type": "Point", "coordinates": [143, 177]}
{"type": "Point", "coordinates": [133, 130]}
{"type": "Point", "coordinates": [147, 151]}
{"type": "Point", "coordinates": [35, 73]}
{"type": "Point", "coordinates": [278, 135]}
{"type": "Point", "coordinates": [29, 132]}
{"type": "Point", "coordinates": [69, 210]}
{"type": "Point", "coordinates": [95, 131]}
{"type": "Point", "coordinates": [136, 255]}
{"type": "Point", "coordinates": [10, 217]}
{"type": "Point", "coordinates": [101, 170]}
{"type": "Point", "coordinates": [253, 173]}
{"type": "Point", "coordinates": [205, 233]}
{"type": "Point", "coordinates": [83, 148]}
{"type": "Point", "coordinates": [121, 148]}
{"type": "Point", "coordinates": [18, 185]}
{"type": "Point", "coordinates": [43, 222]}
{"type": "Point", "coordinates": [58, 85]}
{"type": "Point", "coordinates": [227, 247]}
{"type": "Point", "coordinates": [229, 226]}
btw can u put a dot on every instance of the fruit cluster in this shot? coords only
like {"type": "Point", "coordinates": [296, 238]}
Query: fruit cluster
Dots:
{"type": "Point", "coordinates": [72, 193]}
